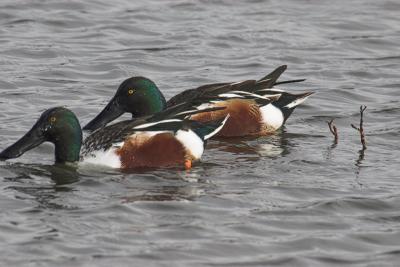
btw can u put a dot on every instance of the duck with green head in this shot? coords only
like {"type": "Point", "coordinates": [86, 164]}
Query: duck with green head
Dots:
{"type": "Point", "coordinates": [153, 142]}
{"type": "Point", "coordinates": [56, 125]}
{"type": "Point", "coordinates": [138, 96]}
{"type": "Point", "coordinates": [255, 108]}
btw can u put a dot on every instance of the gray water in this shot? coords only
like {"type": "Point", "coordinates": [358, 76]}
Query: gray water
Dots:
{"type": "Point", "coordinates": [291, 199]}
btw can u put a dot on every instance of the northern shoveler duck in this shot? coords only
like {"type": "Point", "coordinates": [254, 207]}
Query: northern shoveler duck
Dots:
{"type": "Point", "coordinates": [127, 144]}
{"type": "Point", "coordinates": [255, 107]}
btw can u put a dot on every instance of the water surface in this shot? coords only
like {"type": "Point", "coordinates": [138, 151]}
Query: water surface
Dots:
{"type": "Point", "coordinates": [291, 199]}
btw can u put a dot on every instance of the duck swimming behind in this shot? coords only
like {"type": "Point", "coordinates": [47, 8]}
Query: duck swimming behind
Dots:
{"type": "Point", "coordinates": [152, 142]}
{"type": "Point", "coordinates": [255, 108]}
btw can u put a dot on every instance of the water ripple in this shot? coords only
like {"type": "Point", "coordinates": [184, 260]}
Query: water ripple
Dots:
{"type": "Point", "coordinates": [292, 198]}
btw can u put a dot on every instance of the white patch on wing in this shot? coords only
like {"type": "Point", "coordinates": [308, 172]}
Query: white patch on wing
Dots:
{"type": "Point", "coordinates": [106, 158]}
{"type": "Point", "coordinates": [250, 94]}
{"type": "Point", "coordinates": [296, 102]}
{"type": "Point", "coordinates": [208, 136]}
{"type": "Point", "coordinates": [149, 134]}
{"type": "Point", "coordinates": [154, 123]}
{"type": "Point", "coordinates": [205, 105]}
{"type": "Point", "coordinates": [237, 83]}
{"type": "Point", "coordinates": [273, 96]}
{"type": "Point", "coordinates": [274, 89]}
{"type": "Point", "coordinates": [186, 112]}
{"type": "Point", "coordinates": [272, 116]}
{"type": "Point", "coordinates": [268, 91]}
{"type": "Point", "coordinates": [230, 95]}
{"type": "Point", "coordinates": [191, 141]}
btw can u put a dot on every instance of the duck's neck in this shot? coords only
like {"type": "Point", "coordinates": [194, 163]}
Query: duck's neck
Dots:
{"type": "Point", "coordinates": [153, 102]}
{"type": "Point", "coordinates": [68, 146]}
{"type": "Point", "coordinates": [156, 104]}
{"type": "Point", "coordinates": [148, 101]}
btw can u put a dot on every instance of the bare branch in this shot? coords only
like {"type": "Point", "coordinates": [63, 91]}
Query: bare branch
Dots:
{"type": "Point", "coordinates": [361, 129]}
{"type": "Point", "coordinates": [333, 130]}
{"type": "Point", "coordinates": [352, 125]}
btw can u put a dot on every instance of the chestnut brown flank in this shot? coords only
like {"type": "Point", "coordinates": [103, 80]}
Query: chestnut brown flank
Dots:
{"type": "Point", "coordinates": [245, 118]}
{"type": "Point", "coordinates": [161, 150]}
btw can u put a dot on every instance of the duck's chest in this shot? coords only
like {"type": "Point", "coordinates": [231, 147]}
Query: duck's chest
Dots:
{"type": "Point", "coordinates": [154, 149]}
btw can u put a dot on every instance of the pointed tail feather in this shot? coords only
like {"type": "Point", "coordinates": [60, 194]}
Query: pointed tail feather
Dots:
{"type": "Point", "coordinates": [275, 74]}
{"type": "Point", "coordinates": [288, 102]}
{"type": "Point", "coordinates": [297, 100]}
{"type": "Point", "coordinates": [290, 81]}
{"type": "Point", "coordinates": [237, 86]}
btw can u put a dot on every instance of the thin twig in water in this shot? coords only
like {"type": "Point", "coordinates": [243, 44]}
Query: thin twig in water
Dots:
{"type": "Point", "coordinates": [333, 130]}
{"type": "Point", "coordinates": [361, 129]}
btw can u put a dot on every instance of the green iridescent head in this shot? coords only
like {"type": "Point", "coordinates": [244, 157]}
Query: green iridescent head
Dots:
{"type": "Point", "coordinates": [137, 95]}
{"type": "Point", "coordinates": [56, 125]}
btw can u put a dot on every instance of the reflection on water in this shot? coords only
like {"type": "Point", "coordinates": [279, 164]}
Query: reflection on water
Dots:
{"type": "Point", "coordinates": [358, 164]}
{"type": "Point", "coordinates": [45, 183]}
{"type": "Point", "coordinates": [166, 193]}
{"type": "Point", "coordinates": [60, 174]}
{"type": "Point", "coordinates": [272, 146]}
{"type": "Point", "coordinates": [53, 179]}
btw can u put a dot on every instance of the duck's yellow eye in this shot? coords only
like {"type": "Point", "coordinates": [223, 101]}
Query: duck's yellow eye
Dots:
{"type": "Point", "coordinates": [53, 119]}
{"type": "Point", "coordinates": [130, 91]}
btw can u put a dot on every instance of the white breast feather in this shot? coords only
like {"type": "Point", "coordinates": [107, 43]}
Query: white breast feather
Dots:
{"type": "Point", "coordinates": [106, 158]}
{"type": "Point", "coordinates": [272, 116]}
{"type": "Point", "coordinates": [191, 141]}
